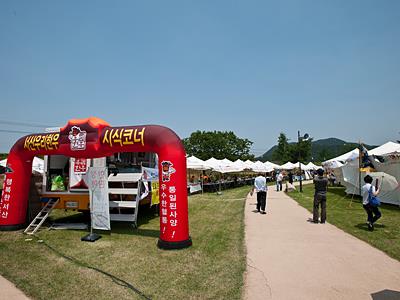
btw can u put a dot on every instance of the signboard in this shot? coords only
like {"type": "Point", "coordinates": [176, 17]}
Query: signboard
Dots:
{"type": "Point", "coordinates": [194, 187]}
{"type": "Point", "coordinates": [78, 174]}
{"type": "Point", "coordinates": [99, 203]}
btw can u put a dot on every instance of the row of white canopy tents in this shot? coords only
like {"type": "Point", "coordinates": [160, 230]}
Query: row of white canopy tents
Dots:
{"type": "Point", "coordinates": [227, 166]}
{"type": "Point", "coordinates": [386, 163]}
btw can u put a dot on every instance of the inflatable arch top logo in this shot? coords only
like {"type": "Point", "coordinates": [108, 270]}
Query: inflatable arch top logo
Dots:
{"type": "Point", "coordinates": [94, 138]}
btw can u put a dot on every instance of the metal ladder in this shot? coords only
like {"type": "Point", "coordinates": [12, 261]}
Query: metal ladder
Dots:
{"type": "Point", "coordinates": [41, 216]}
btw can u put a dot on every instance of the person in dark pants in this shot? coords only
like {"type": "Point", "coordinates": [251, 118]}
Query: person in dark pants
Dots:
{"type": "Point", "coordinates": [260, 186]}
{"type": "Point", "coordinates": [373, 212]}
{"type": "Point", "coordinates": [321, 185]}
{"type": "Point", "coordinates": [290, 175]}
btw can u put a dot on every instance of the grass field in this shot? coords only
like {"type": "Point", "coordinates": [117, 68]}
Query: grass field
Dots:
{"type": "Point", "coordinates": [63, 267]}
{"type": "Point", "coordinates": [348, 214]}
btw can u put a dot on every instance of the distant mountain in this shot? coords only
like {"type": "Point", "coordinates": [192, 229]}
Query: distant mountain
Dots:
{"type": "Point", "coordinates": [321, 150]}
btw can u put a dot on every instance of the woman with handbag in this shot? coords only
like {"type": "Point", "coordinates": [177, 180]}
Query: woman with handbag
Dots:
{"type": "Point", "coordinates": [368, 191]}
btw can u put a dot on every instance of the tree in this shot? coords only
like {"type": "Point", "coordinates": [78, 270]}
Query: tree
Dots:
{"type": "Point", "coordinates": [282, 152]}
{"type": "Point", "coordinates": [217, 144]}
{"type": "Point", "coordinates": [301, 151]}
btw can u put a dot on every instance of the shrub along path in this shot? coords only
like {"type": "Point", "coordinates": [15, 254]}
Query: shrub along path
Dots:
{"type": "Point", "coordinates": [289, 257]}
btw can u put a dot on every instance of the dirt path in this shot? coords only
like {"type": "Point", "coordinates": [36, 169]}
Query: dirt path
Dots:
{"type": "Point", "coordinates": [291, 258]}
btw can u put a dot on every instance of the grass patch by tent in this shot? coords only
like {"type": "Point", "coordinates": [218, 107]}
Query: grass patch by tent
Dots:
{"type": "Point", "coordinates": [63, 267]}
{"type": "Point", "coordinates": [346, 212]}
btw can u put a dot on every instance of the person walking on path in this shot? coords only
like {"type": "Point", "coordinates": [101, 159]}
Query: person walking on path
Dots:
{"type": "Point", "coordinates": [290, 175]}
{"type": "Point", "coordinates": [260, 186]}
{"type": "Point", "coordinates": [279, 180]}
{"type": "Point", "coordinates": [373, 212]}
{"type": "Point", "coordinates": [321, 184]}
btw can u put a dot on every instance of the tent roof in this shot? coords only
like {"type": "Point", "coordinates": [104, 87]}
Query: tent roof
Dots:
{"type": "Point", "coordinates": [288, 166]}
{"type": "Point", "coordinates": [195, 163]}
{"type": "Point", "coordinates": [222, 166]}
{"type": "Point", "coordinates": [348, 155]}
{"type": "Point", "coordinates": [386, 148]}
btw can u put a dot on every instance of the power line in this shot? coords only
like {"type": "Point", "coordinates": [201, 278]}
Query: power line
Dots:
{"type": "Point", "coordinates": [6, 122]}
{"type": "Point", "coordinates": [15, 131]}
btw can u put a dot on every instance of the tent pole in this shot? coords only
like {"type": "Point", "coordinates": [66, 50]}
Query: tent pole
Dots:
{"type": "Point", "coordinates": [202, 181]}
{"type": "Point", "coordinates": [359, 167]}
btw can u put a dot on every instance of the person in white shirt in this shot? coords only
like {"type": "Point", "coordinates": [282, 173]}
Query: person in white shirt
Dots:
{"type": "Point", "coordinates": [260, 186]}
{"type": "Point", "coordinates": [373, 212]}
{"type": "Point", "coordinates": [279, 180]}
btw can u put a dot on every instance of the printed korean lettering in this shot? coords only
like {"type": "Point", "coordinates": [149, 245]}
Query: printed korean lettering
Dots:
{"type": "Point", "coordinates": [123, 136]}
{"type": "Point", "coordinates": [80, 166]}
{"type": "Point", "coordinates": [42, 142]}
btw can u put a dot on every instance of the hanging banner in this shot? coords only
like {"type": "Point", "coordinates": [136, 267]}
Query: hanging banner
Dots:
{"type": "Point", "coordinates": [98, 191]}
{"type": "Point", "coordinates": [78, 174]}
{"type": "Point", "coordinates": [149, 174]}
{"type": "Point", "coordinates": [155, 193]}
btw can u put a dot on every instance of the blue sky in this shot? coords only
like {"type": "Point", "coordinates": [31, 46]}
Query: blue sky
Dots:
{"type": "Point", "coordinates": [258, 68]}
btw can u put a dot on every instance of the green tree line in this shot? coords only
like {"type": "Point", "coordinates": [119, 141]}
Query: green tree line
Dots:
{"type": "Point", "coordinates": [218, 144]}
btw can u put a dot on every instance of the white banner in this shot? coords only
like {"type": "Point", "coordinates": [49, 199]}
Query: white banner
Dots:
{"type": "Point", "coordinates": [98, 190]}
{"type": "Point", "coordinates": [149, 174]}
{"type": "Point", "coordinates": [78, 174]}
{"type": "Point", "coordinates": [194, 187]}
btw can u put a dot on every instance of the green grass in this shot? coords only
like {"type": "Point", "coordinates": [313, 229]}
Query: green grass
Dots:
{"type": "Point", "coordinates": [62, 266]}
{"type": "Point", "coordinates": [348, 214]}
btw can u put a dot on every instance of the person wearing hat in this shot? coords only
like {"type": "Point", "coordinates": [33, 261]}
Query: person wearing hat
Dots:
{"type": "Point", "coordinates": [321, 186]}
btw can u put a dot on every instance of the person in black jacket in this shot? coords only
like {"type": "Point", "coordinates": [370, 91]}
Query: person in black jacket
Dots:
{"type": "Point", "coordinates": [321, 185]}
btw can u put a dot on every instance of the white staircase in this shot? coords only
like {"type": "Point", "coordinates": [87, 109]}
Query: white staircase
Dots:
{"type": "Point", "coordinates": [41, 216]}
{"type": "Point", "coordinates": [122, 205]}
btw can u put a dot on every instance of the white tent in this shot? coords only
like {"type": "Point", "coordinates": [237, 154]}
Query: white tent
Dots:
{"type": "Point", "coordinates": [384, 149]}
{"type": "Point", "coordinates": [249, 164]}
{"type": "Point", "coordinates": [37, 164]}
{"type": "Point", "coordinates": [387, 171]}
{"type": "Point", "coordinates": [271, 165]}
{"type": "Point", "coordinates": [288, 166]}
{"type": "Point", "coordinates": [389, 147]}
{"type": "Point", "coordinates": [259, 166]}
{"type": "Point", "coordinates": [341, 158]}
{"type": "Point", "coordinates": [222, 166]}
{"type": "Point", "coordinates": [195, 163]}
{"type": "Point", "coordinates": [312, 166]}
{"type": "Point", "coordinates": [303, 166]}
{"type": "Point", "coordinates": [240, 164]}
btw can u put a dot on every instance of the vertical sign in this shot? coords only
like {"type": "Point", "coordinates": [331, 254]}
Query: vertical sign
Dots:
{"type": "Point", "coordinates": [168, 199]}
{"type": "Point", "coordinates": [5, 203]}
{"type": "Point", "coordinates": [99, 203]}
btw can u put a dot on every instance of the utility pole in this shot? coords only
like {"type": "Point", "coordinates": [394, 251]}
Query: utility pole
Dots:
{"type": "Point", "coordinates": [298, 148]}
{"type": "Point", "coordinates": [299, 139]}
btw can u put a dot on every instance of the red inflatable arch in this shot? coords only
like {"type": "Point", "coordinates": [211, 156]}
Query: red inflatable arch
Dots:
{"type": "Point", "coordinates": [93, 138]}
